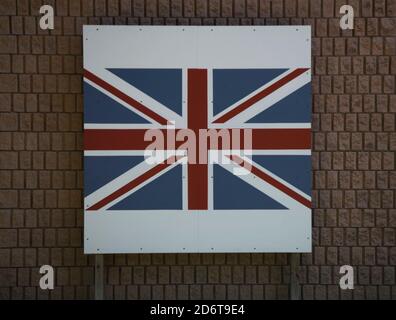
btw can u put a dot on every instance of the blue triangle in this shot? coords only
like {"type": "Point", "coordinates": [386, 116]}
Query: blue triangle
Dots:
{"type": "Point", "coordinates": [99, 108]}
{"type": "Point", "coordinates": [99, 170]}
{"type": "Point", "coordinates": [231, 192]}
{"type": "Point", "coordinates": [163, 193]}
{"type": "Point", "coordinates": [163, 85]}
{"type": "Point", "coordinates": [296, 107]}
{"type": "Point", "coordinates": [231, 85]}
{"type": "Point", "coordinates": [294, 169]}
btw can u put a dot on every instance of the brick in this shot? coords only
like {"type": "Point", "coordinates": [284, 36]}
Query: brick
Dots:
{"type": "Point", "coordinates": [195, 292]}
{"type": "Point", "coordinates": [201, 7]}
{"type": "Point", "coordinates": [8, 44]}
{"type": "Point", "coordinates": [5, 102]}
{"type": "Point", "coordinates": [8, 198]}
{"type": "Point", "coordinates": [8, 7]}
{"type": "Point", "coordinates": [5, 63]}
{"type": "Point", "coordinates": [5, 257]}
{"type": "Point", "coordinates": [8, 83]}
{"type": "Point", "coordinates": [113, 8]}
{"type": "Point", "coordinates": [8, 238]}
{"type": "Point", "coordinates": [388, 26]}
{"type": "Point", "coordinates": [8, 277]}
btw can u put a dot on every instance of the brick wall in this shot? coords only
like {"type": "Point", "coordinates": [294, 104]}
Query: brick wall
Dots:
{"type": "Point", "coordinates": [354, 177]}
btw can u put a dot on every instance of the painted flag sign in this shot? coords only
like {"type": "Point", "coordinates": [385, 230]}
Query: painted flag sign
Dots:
{"type": "Point", "coordinates": [197, 139]}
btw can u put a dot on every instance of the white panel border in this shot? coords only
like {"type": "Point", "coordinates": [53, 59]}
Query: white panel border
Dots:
{"type": "Point", "coordinates": [177, 47]}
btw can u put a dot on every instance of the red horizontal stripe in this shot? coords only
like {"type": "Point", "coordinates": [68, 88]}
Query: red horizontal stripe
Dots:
{"type": "Point", "coordinates": [133, 184]}
{"type": "Point", "coordinates": [114, 139]}
{"type": "Point", "coordinates": [275, 183]}
{"type": "Point", "coordinates": [133, 139]}
{"type": "Point", "coordinates": [280, 139]}
{"type": "Point", "coordinates": [121, 95]}
{"type": "Point", "coordinates": [265, 92]}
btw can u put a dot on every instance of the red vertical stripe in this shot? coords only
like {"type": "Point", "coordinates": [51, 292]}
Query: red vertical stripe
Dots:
{"type": "Point", "coordinates": [197, 119]}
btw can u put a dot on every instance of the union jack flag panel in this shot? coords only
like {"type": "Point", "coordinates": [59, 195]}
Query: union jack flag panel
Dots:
{"type": "Point", "coordinates": [228, 111]}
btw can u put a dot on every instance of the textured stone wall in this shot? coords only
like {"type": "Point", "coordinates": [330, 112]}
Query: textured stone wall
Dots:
{"type": "Point", "coordinates": [354, 144]}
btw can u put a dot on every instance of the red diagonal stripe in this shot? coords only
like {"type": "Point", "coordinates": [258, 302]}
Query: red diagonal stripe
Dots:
{"type": "Point", "coordinates": [257, 172]}
{"type": "Point", "coordinates": [127, 99]}
{"type": "Point", "coordinates": [134, 183]}
{"type": "Point", "coordinates": [265, 92]}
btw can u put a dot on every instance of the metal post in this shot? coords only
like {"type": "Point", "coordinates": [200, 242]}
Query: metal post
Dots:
{"type": "Point", "coordinates": [294, 259]}
{"type": "Point", "coordinates": [99, 277]}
